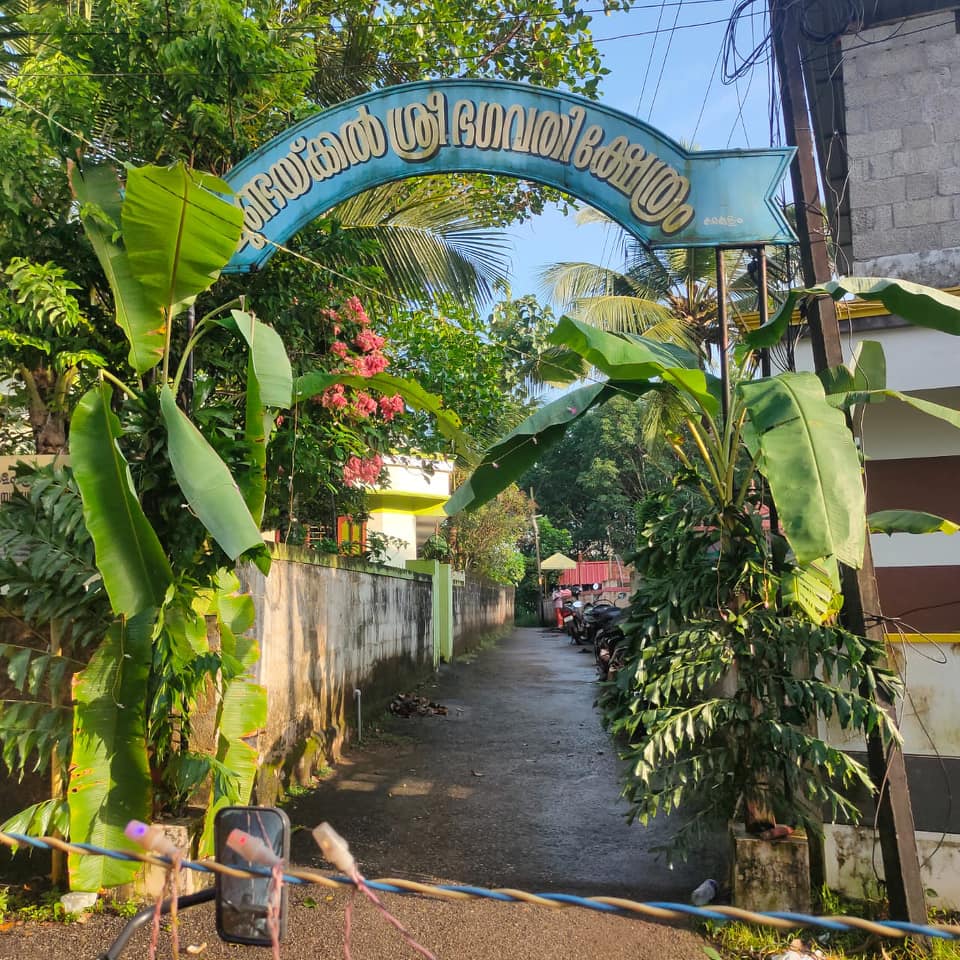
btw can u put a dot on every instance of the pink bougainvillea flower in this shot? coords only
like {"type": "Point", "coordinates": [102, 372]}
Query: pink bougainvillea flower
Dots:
{"type": "Point", "coordinates": [355, 309]}
{"type": "Point", "coordinates": [367, 341]}
{"type": "Point", "coordinates": [364, 404]}
{"type": "Point", "coordinates": [339, 348]}
{"type": "Point", "coordinates": [369, 365]}
{"type": "Point", "coordinates": [333, 397]}
{"type": "Point", "coordinates": [391, 406]}
{"type": "Point", "coordinates": [359, 472]}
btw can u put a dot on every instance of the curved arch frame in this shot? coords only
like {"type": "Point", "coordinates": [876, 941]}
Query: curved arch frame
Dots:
{"type": "Point", "coordinates": [659, 192]}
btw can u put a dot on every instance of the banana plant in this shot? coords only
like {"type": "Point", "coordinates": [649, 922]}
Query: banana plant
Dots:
{"type": "Point", "coordinates": [790, 428]}
{"type": "Point", "coordinates": [162, 242]}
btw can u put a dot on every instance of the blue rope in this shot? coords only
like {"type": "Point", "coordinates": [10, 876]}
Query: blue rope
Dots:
{"type": "Point", "coordinates": [700, 913]}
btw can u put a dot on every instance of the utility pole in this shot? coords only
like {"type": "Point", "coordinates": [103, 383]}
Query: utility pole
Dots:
{"type": "Point", "coordinates": [536, 545]}
{"type": "Point", "coordinates": [861, 609]}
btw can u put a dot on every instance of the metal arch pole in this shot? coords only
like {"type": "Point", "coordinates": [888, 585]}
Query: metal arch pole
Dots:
{"type": "Point", "coordinates": [724, 332]}
{"type": "Point", "coordinates": [762, 305]}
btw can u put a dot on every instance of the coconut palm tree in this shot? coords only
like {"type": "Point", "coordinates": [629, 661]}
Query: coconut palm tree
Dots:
{"type": "Point", "coordinates": [668, 295]}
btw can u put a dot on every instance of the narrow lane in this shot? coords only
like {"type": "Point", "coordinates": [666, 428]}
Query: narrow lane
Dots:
{"type": "Point", "coordinates": [518, 785]}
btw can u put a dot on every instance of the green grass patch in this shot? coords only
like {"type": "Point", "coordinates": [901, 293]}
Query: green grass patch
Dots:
{"type": "Point", "coordinates": [740, 941]}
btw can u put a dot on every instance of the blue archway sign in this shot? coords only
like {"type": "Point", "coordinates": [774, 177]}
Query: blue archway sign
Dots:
{"type": "Point", "coordinates": [659, 192]}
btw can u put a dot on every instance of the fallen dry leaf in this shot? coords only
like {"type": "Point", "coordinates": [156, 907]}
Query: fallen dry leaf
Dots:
{"type": "Point", "coordinates": [194, 948]}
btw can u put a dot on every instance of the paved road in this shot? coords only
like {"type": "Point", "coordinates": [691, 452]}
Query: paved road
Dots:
{"type": "Point", "coordinates": [516, 786]}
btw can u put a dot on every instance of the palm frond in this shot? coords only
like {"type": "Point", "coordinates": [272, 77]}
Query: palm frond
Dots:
{"type": "Point", "coordinates": [625, 314]}
{"type": "Point", "coordinates": [565, 284]}
{"type": "Point", "coordinates": [428, 243]}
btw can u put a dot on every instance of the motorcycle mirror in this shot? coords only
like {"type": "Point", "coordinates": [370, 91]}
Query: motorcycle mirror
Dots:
{"type": "Point", "coordinates": [243, 902]}
{"type": "Point", "coordinates": [596, 587]}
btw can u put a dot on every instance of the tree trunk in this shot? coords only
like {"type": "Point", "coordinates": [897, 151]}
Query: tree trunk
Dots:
{"type": "Point", "coordinates": [49, 431]}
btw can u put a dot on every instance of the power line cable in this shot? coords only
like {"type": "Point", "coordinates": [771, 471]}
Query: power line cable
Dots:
{"type": "Point", "coordinates": [663, 66]}
{"type": "Point", "coordinates": [653, 50]}
{"type": "Point", "coordinates": [706, 96]}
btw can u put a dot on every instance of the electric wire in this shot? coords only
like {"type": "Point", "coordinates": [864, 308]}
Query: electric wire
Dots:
{"type": "Point", "coordinates": [663, 65]}
{"type": "Point", "coordinates": [656, 910]}
{"type": "Point", "coordinates": [653, 50]}
{"type": "Point", "coordinates": [706, 96]}
{"type": "Point", "coordinates": [292, 71]}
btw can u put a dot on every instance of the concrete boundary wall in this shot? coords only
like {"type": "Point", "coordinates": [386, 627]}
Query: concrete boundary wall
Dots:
{"type": "Point", "coordinates": [328, 627]}
{"type": "Point", "coordinates": [481, 609]}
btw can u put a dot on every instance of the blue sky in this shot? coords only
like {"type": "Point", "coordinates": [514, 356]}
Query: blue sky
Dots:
{"type": "Point", "coordinates": [672, 107]}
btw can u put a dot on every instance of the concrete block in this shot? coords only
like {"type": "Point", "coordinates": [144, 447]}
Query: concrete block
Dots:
{"type": "Point", "coordinates": [894, 61]}
{"type": "Point", "coordinates": [862, 93]}
{"type": "Point", "coordinates": [874, 193]}
{"type": "Point", "coordinates": [921, 239]}
{"type": "Point", "coordinates": [880, 167]}
{"type": "Point", "coordinates": [950, 232]}
{"type": "Point", "coordinates": [921, 185]}
{"type": "Point", "coordinates": [918, 213]}
{"type": "Point", "coordinates": [930, 81]}
{"type": "Point", "coordinates": [877, 141]}
{"type": "Point", "coordinates": [857, 121]}
{"type": "Point", "coordinates": [895, 113]}
{"type": "Point", "coordinates": [770, 875]}
{"type": "Point", "coordinates": [917, 135]}
{"type": "Point", "coordinates": [871, 218]}
{"type": "Point", "coordinates": [948, 182]}
{"type": "Point", "coordinates": [943, 52]}
{"type": "Point", "coordinates": [922, 160]}
{"type": "Point", "coordinates": [877, 243]}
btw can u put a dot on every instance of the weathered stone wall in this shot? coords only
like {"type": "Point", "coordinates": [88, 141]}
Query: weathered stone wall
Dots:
{"type": "Point", "coordinates": [327, 628]}
{"type": "Point", "coordinates": [901, 90]}
{"type": "Point", "coordinates": [481, 608]}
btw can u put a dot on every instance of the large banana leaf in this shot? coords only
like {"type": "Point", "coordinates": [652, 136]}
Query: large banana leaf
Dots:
{"type": "Point", "coordinates": [810, 459]}
{"type": "Point", "coordinates": [920, 305]}
{"type": "Point", "coordinates": [269, 384]}
{"type": "Point", "coordinates": [909, 521]}
{"type": "Point", "coordinates": [258, 422]}
{"type": "Point", "coordinates": [867, 370]}
{"type": "Point", "coordinates": [129, 556]}
{"type": "Point", "coordinates": [635, 358]}
{"type": "Point", "coordinates": [98, 193]}
{"type": "Point", "coordinates": [938, 410]}
{"type": "Point", "coordinates": [271, 365]}
{"type": "Point", "coordinates": [207, 483]}
{"type": "Point", "coordinates": [521, 448]}
{"type": "Point", "coordinates": [109, 773]}
{"type": "Point", "coordinates": [178, 234]}
{"type": "Point", "coordinates": [448, 423]}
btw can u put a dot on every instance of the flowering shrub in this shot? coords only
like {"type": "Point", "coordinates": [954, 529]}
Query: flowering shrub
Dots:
{"type": "Point", "coordinates": [358, 351]}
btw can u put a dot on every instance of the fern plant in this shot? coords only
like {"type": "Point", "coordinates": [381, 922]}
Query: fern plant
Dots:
{"type": "Point", "coordinates": [50, 584]}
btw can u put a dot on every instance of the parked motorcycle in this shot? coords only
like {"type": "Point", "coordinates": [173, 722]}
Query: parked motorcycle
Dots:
{"type": "Point", "coordinates": [609, 646]}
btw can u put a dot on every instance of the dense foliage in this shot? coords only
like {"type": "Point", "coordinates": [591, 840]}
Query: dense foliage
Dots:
{"type": "Point", "coordinates": [726, 676]}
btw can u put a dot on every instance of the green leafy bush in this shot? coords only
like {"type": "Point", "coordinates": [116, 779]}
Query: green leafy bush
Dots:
{"type": "Point", "coordinates": [719, 696]}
